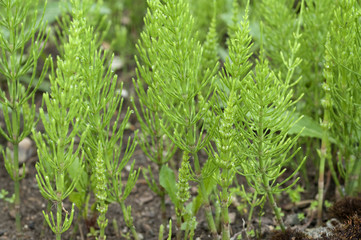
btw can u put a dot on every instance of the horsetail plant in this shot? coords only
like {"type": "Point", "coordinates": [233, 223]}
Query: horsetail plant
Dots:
{"type": "Point", "coordinates": [55, 149]}
{"type": "Point", "coordinates": [81, 194]}
{"type": "Point", "coordinates": [172, 57]}
{"type": "Point", "coordinates": [161, 231]}
{"type": "Point", "coordinates": [311, 67]}
{"type": "Point", "coordinates": [20, 26]}
{"type": "Point", "coordinates": [226, 138]}
{"type": "Point", "coordinates": [63, 124]}
{"type": "Point", "coordinates": [159, 149]}
{"type": "Point", "coordinates": [242, 117]}
{"type": "Point", "coordinates": [341, 102]}
{"type": "Point", "coordinates": [56, 145]}
{"type": "Point", "coordinates": [79, 15]}
{"type": "Point", "coordinates": [266, 118]}
{"type": "Point", "coordinates": [185, 217]}
{"type": "Point", "coordinates": [153, 140]}
{"type": "Point", "coordinates": [342, 86]}
{"type": "Point", "coordinates": [324, 152]}
{"type": "Point", "coordinates": [210, 47]}
{"type": "Point", "coordinates": [277, 16]}
{"type": "Point", "coordinates": [103, 146]}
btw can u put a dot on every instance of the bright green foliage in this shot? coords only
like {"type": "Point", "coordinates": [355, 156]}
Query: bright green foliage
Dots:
{"type": "Point", "coordinates": [278, 18]}
{"type": "Point", "coordinates": [94, 88]}
{"type": "Point", "coordinates": [266, 117]}
{"type": "Point", "coordinates": [342, 88]}
{"type": "Point", "coordinates": [325, 151]}
{"type": "Point", "coordinates": [244, 116]}
{"type": "Point", "coordinates": [153, 140]}
{"type": "Point", "coordinates": [153, 121]}
{"type": "Point", "coordinates": [62, 125]}
{"type": "Point", "coordinates": [266, 100]}
{"type": "Point", "coordinates": [22, 41]}
{"type": "Point", "coordinates": [3, 195]}
{"type": "Point", "coordinates": [172, 50]}
{"type": "Point", "coordinates": [227, 159]}
{"type": "Point", "coordinates": [209, 59]}
{"type": "Point", "coordinates": [172, 69]}
{"type": "Point", "coordinates": [84, 65]}
{"type": "Point", "coordinates": [210, 47]}
{"type": "Point", "coordinates": [205, 11]}
{"type": "Point", "coordinates": [91, 12]}
{"type": "Point", "coordinates": [104, 102]}
{"type": "Point", "coordinates": [266, 148]}
{"type": "Point", "coordinates": [315, 14]}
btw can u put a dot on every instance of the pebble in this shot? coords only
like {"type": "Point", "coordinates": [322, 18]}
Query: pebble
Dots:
{"type": "Point", "coordinates": [117, 63]}
{"type": "Point", "coordinates": [145, 198]}
{"type": "Point", "coordinates": [232, 217]}
{"type": "Point", "coordinates": [25, 150]}
{"type": "Point", "coordinates": [292, 219]}
{"type": "Point", "coordinates": [21, 170]}
{"type": "Point", "coordinates": [147, 228]}
{"type": "Point", "coordinates": [128, 167]}
{"type": "Point", "coordinates": [125, 93]}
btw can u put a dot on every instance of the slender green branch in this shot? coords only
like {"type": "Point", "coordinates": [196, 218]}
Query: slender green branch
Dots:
{"type": "Point", "coordinates": [129, 220]}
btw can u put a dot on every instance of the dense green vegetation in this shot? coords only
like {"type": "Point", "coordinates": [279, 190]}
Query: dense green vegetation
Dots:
{"type": "Point", "coordinates": [261, 87]}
